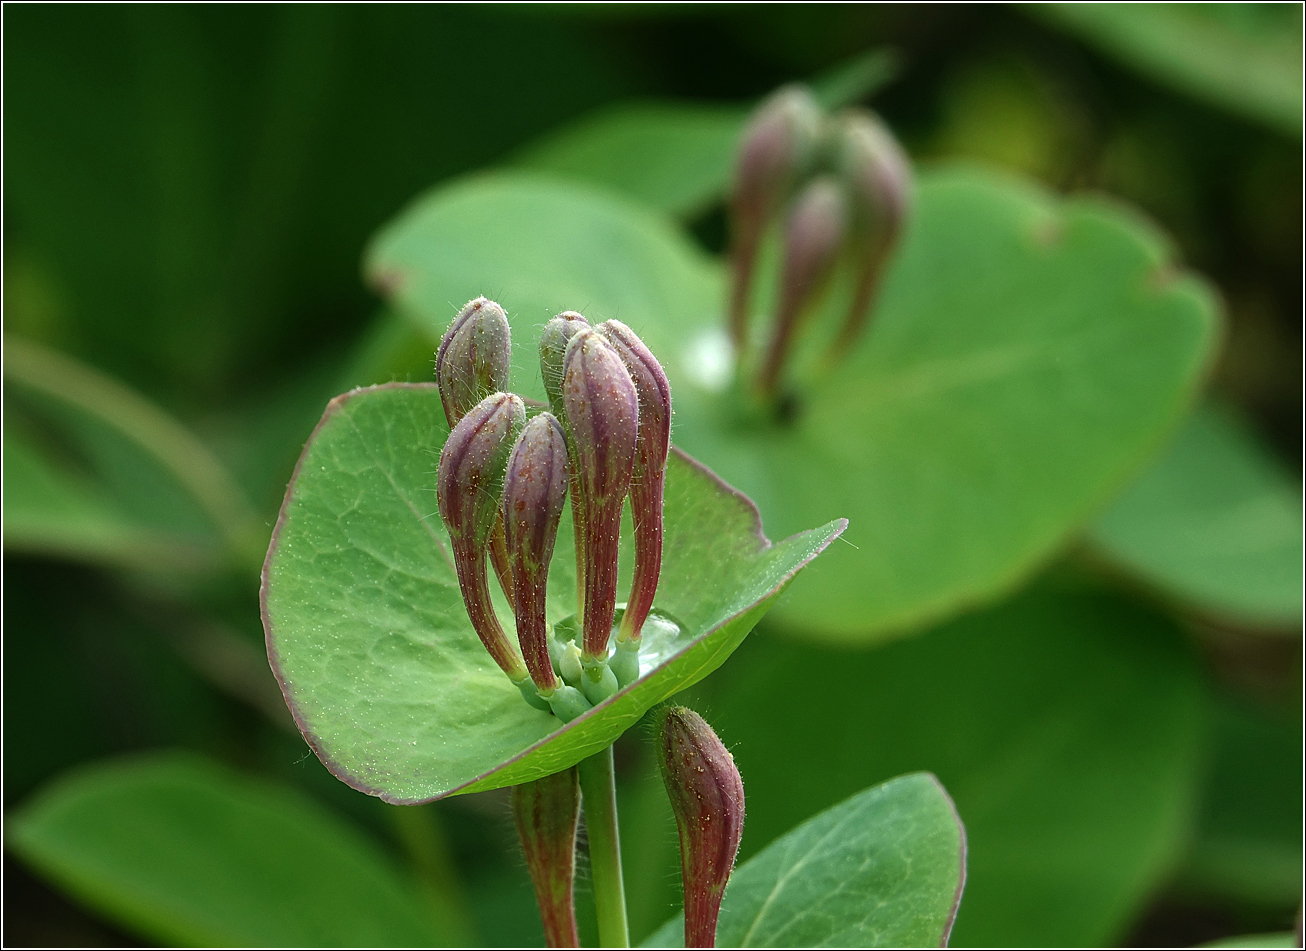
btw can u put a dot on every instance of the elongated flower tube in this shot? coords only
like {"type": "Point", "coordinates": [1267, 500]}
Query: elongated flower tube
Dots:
{"type": "Point", "coordinates": [777, 144]}
{"type": "Point", "coordinates": [707, 799]}
{"type": "Point", "coordinates": [469, 483]}
{"type": "Point", "coordinates": [813, 237]}
{"type": "Point", "coordinates": [878, 176]}
{"type": "Point", "coordinates": [547, 813]}
{"type": "Point", "coordinates": [534, 490]}
{"type": "Point", "coordinates": [474, 360]}
{"type": "Point", "coordinates": [648, 481]}
{"type": "Point", "coordinates": [602, 410]}
{"type": "Point", "coordinates": [553, 351]}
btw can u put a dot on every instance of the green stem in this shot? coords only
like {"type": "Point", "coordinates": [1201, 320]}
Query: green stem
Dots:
{"type": "Point", "coordinates": [599, 794]}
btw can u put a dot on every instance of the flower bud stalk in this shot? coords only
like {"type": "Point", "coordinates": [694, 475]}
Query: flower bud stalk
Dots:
{"type": "Point", "coordinates": [554, 340]}
{"type": "Point", "coordinates": [602, 410]}
{"type": "Point", "coordinates": [534, 489]}
{"type": "Point", "coordinates": [878, 175]}
{"type": "Point", "coordinates": [652, 445]}
{"type": "Point", "coordinates": [814, 235]}
{"type": "Point", "coordinates": [468, 485]}
{"type": "Point", "coordinates": [777, 143]}
{"type": "Point", "coordinates": [547, 815]}
{"type": "Point", "coordinates": [707, 799]}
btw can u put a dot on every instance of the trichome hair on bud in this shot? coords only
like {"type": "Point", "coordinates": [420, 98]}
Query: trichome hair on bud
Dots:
{"type": "Point", "coordinates": [778, 143]}
{"type": "Point", "coordinates": [814, 234]}
{"type": "Point", "coordinates": [877, 174]}
{"type": "Point", "coordinates": [707, 799]}
{"type": "Point", "coordinates": [647, 485]}
{"type": "Point", "coordinates": [602, 410]}
{"type": "Point", "coordinates": [534, 490]}
{"type": "Point", "coordinates": [474, 359]}
{"type": "Point", "coordinates": [469, 483]}
{"type": "Point", "coordinates": [547, 814]}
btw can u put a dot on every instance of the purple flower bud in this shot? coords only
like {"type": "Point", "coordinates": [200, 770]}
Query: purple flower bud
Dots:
{"type": "Point", "coordinates": [646, 487]}
{"type": "Point", "coordinates": [534, 490]}
{"type": "Point", "coordinates": [777, 145]}
{"type": "Point", "coordinates": [707, 799]}
{"type": "Point", "coordinates": [878, 175]}
{"type": "Point", "coordinates": [547, 813]}
{"type": "Point", "coordinates": [474, 358]}
{"type": "Point", "coordinates": [469, 481]}
{"type": "Point", "coordinates": [813, 237]}
{"type": "Point", "coordinates": [603, 414]}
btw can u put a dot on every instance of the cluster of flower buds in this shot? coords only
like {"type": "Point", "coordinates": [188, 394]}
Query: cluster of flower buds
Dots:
{"type": "Point", "coordinates": [707, 799]}
{"type": "Point", "coordinates": [839, 188]}
{"type": "Point", "coordinates": [503, 480]}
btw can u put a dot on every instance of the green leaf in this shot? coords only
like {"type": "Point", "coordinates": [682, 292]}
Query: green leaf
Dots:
{"type": "Point", "coordinates": [186, 852]}
{"type": "Point", "coordinates": [1279, 939]}
{"type": "Point", "coordinates": [1215, 523]}
{"type": "Point", "coordinates": [882, 869]}
{"type": "Point", "coordinates": [1067, 727]}
{"type": "Point", "coordinates": [368, 634]}
{"type": "Point", "coordinates": [1026, 356]}
{"type": "Point", "coordinates": [147, 466]}
{"type": "Point", "coordinates": [1245, 57]}
{"type": "Point", "coordinates": [51, 509]}
{"type": "Point", "coordinates": [1248, 841]}
{"type": "Point", "coordinates": [539, 246]}
{"type": "Point", "coordinates": [676, 157]}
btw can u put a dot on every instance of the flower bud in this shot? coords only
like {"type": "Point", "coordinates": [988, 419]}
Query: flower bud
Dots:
{"type": "Point", "coordinates": [534, 489]}
{"type": "Point", "coordinates": [603, 414]}
{"type": "Point", "coordinates": [547, 814]}
{"type": "Point", "coordinates": [646, 487]}
{"type": "Point", "coordinates": [469, 481]}
{"type": "Point", "coordinates": [553, 349]}
{"type": "Point", "coordinates": [777, 145]}
{"type": "Point", "coordinates": [707, 799]}
{"type": "Point", "coordinates": [878, 176]}
{"type": "Point", "coordinates": [814, 234]}
{"type": "Point", "coordinates": [474, 358]}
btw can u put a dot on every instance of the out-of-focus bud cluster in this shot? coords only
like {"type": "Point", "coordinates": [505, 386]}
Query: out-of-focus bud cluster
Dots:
{"type": "Point", "coordinates": [838, 191]}
{"type": "Point", "coordinates": [502, 482]}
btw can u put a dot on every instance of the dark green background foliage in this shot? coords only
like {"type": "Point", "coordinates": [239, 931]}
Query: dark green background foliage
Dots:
{"type": "Point", "coordinates": [191, 192]}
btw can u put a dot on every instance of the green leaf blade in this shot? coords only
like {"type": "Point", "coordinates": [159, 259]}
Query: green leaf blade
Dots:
{"type": "Point", "coordinates": [1215, 523]}
{"type": "Point", "coordinates": [188, 853]}
{"type": "Point", "coordinates": [884, 868]}
{"type": "Point", "coordinates": [370, 640]}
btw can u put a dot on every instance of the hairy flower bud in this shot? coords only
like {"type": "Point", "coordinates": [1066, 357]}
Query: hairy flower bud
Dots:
{"type": "Point", "coordinates": [547, 814]}
{"type": "Point", "coordinates": [553, 351]}
{"type": "Point", "coordinates": [707, 799]}
{"type": "Point", "coordinates": [878, 176]}
{"type": "Point", "coordinates": [777, 145]}
{"type": "Point", "coordinates": [602, 410]}
{"type": "Point", "coordinates": [474, 358]}
{"type": "Point", "coordinates": [814, 235]}
{"type": "Point", "coordinates": [556, 336]}
{"type": "Point", "coordinates": [534, 490]}
{"type": "Point", "coordinates": [469, 480]}
{"type": "Point", "coordinates": [647, 485]}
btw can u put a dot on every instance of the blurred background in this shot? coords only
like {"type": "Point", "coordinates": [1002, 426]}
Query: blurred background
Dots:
{"type": "Point", "coordinates": [188, 193]}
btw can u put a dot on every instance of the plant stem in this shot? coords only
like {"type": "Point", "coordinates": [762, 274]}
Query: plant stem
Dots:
{"type": "Point", "coordinates": [599, 794]}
